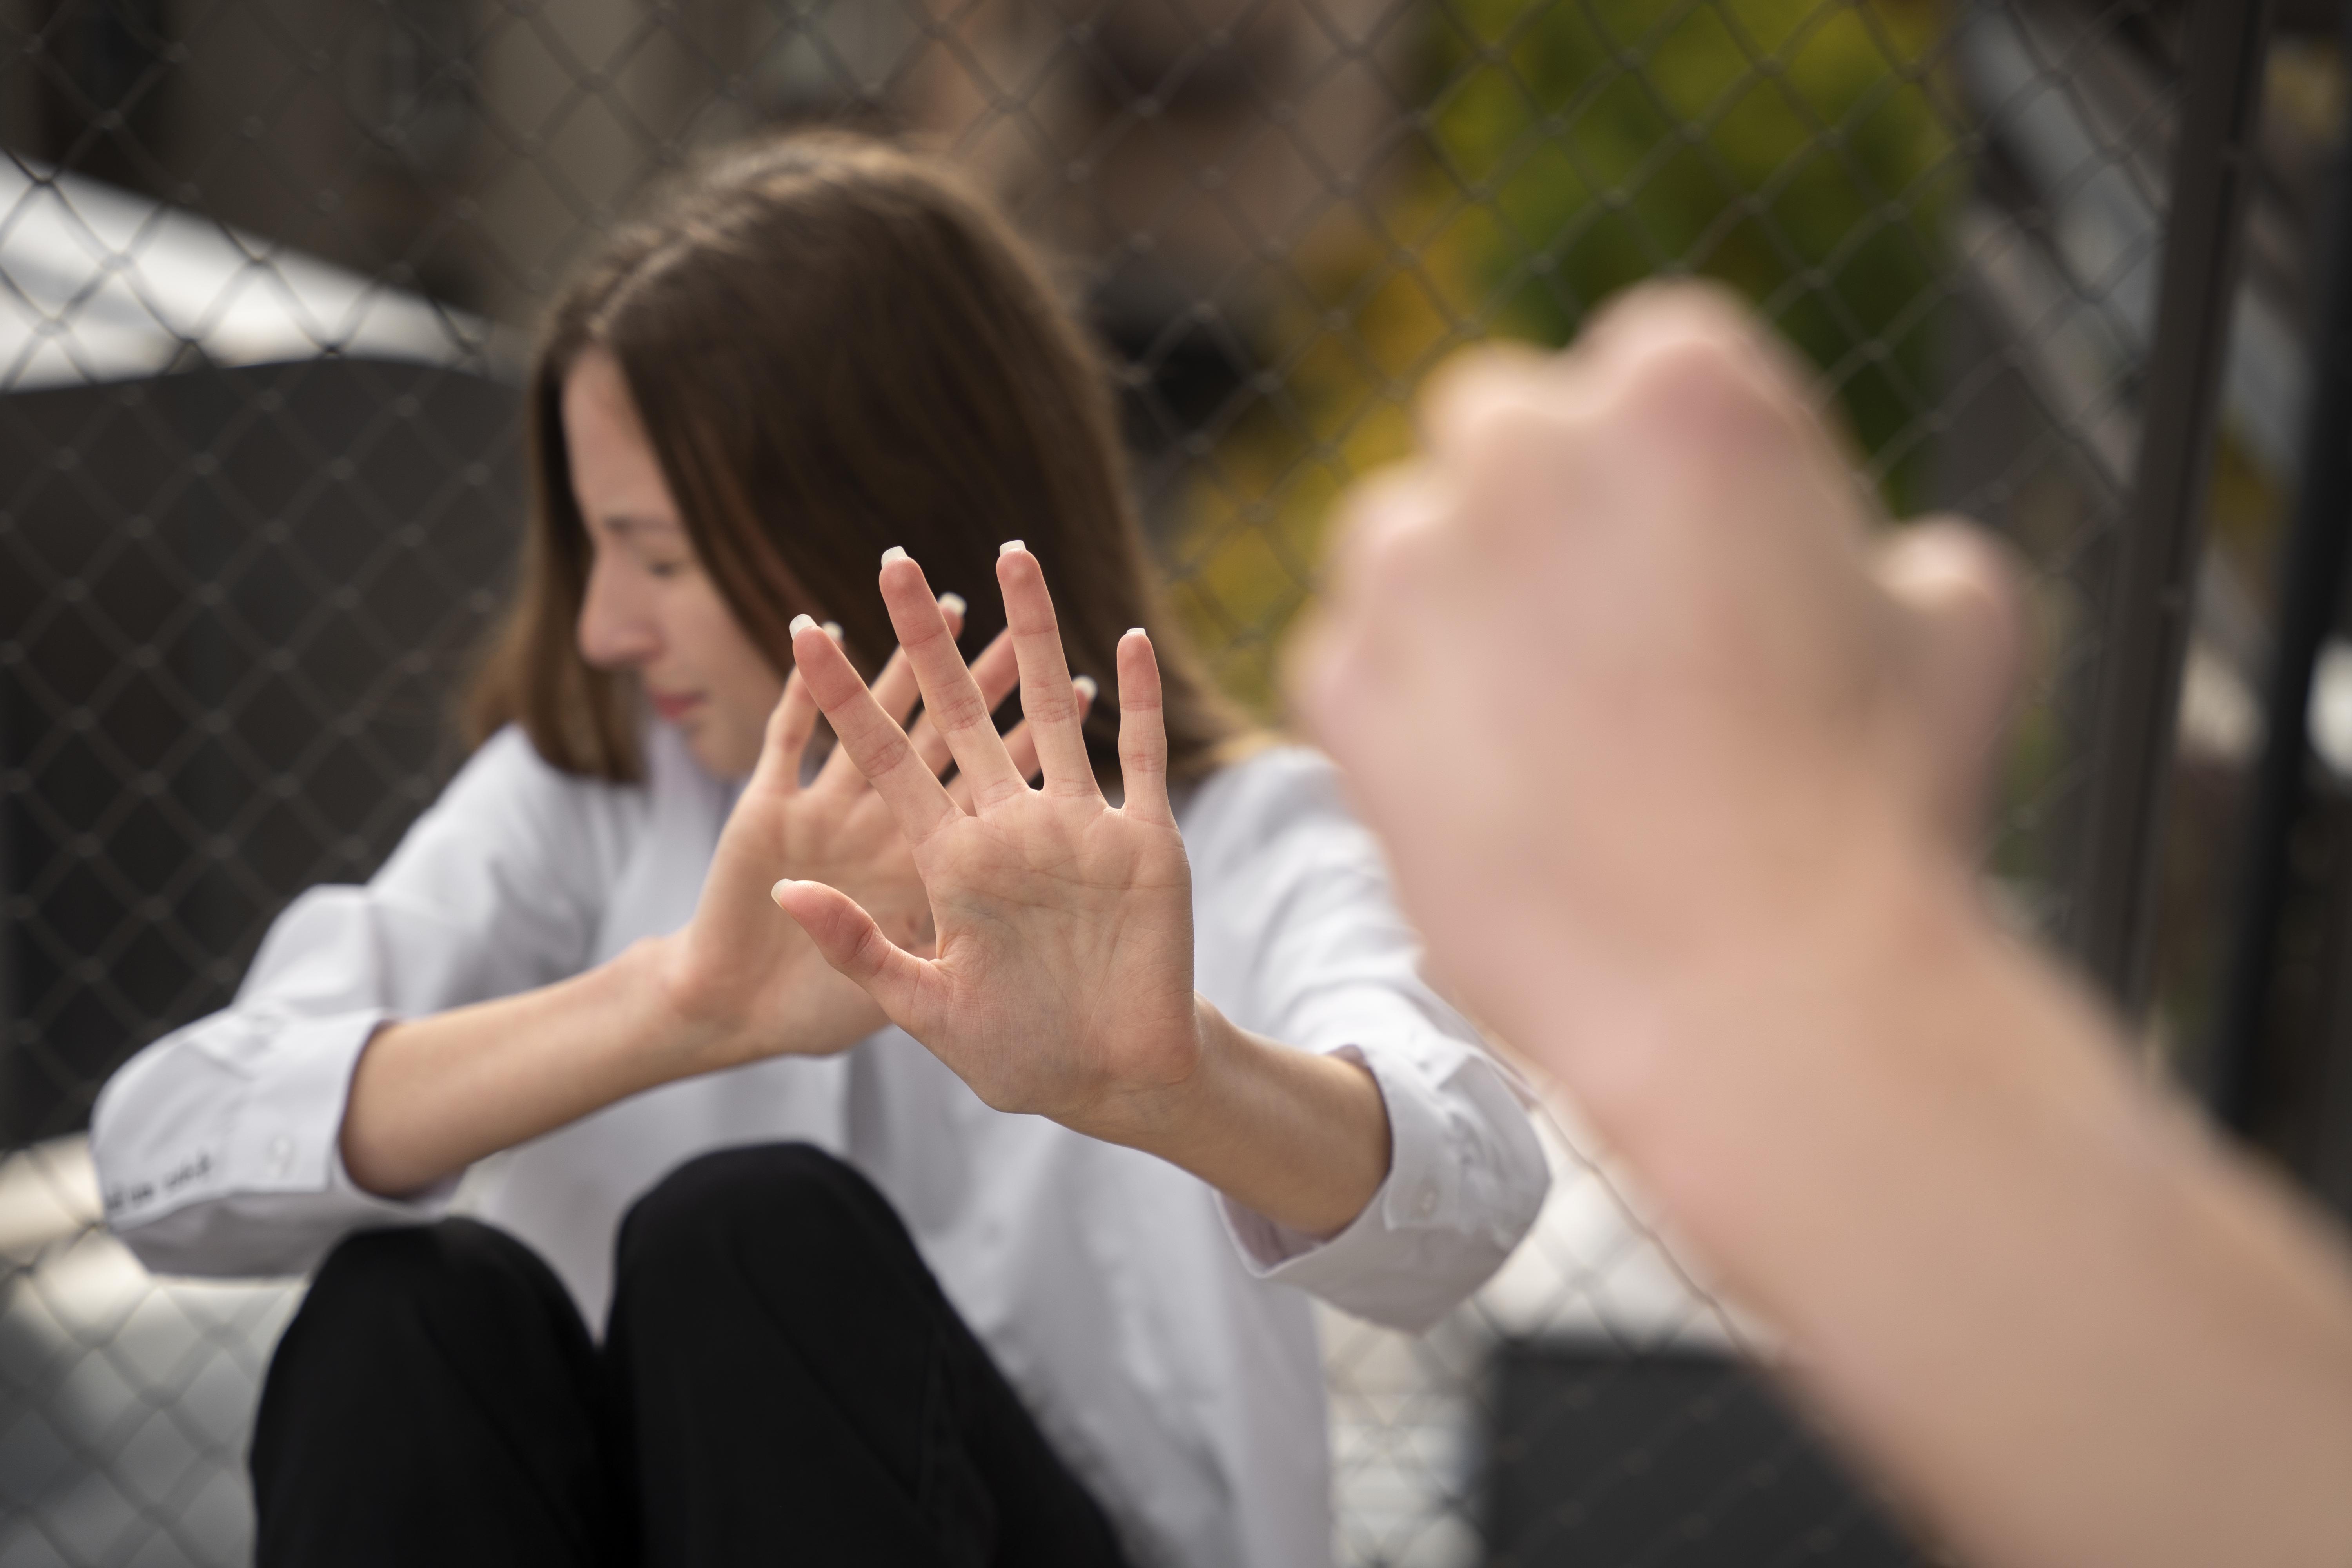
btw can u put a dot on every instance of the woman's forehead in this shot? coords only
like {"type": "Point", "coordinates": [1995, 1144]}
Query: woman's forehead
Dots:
{"type": "Point", "coordinates": [596, 396]}
{"type": "Point", "coordinates": [614, 471]}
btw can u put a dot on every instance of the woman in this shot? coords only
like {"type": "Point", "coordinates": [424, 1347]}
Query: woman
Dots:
{"type": "Point", "coordinates": [851, 1306]}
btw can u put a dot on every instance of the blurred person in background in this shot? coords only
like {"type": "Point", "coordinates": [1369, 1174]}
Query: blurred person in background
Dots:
{"type": "Point", "coordinates": [1680, 774]}
{"type": "Point", "coordinates": [1039, 1297]}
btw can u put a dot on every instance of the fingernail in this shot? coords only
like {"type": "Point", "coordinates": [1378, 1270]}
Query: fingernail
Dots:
{"type": "Point", "coordinates": [1009, 546]}
{"type": "Point", "coordinates": [1087, 689]}
{"type": "Point", "coordinates": [952, 603]}
{"type": "Point", "coordinates": [777, 892]}
{"type": "Point", "coordinates": [1138, 632]}
{"type": "Point", "coordinates": [802, 624]}
{"type": "Point", "coordinates": [833, 630]}
{"type": "Point", "coordinates": [896, 552]}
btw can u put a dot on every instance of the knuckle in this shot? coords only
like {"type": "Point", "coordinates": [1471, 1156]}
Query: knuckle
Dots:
{"type": "Point", "coordinates": [1049, 708]}
{"type": "Point", "coordinates": [1699, 392]}
{"type": "Point", "coordinates": [1521, 447]}
{"type": "Point", "coordinates": [1682, 362]}
{"type": "Point", "coordinates": [877, 751]}
{"type": "Point", "coordinates": [961, 710]}
{"type": "Point", "coordinates": [1696, 307]}
{"type": "Point", "coordinates": [1400, 568]}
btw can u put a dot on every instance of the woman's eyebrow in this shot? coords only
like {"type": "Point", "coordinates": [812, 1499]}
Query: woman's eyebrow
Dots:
{"type": "Point", "coordinates": [624, 524]}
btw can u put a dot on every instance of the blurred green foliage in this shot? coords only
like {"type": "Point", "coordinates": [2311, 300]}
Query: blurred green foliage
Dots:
{"type": "Point", "coordinates": [1792, 149]}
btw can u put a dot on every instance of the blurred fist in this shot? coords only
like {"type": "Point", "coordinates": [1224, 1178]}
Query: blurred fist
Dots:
{"type": "Point", "coordinates": [1617, 672]}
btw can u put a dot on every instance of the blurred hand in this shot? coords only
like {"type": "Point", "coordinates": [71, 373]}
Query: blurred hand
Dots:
{"type": "Point", "coordinates": [1613, 672]}
{"type": "Point", "coordinates": [1063, 980]}
{"type": "Point", "coordinates": [1958, 587]}
{"type": "Point", "coordinates": [753, 986]}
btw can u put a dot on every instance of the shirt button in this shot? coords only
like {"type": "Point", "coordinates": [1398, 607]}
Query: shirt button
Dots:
{"type": "Point", "coordinates": [1424, 1202]}
{"type": "Point", "coordinates": [281, 1155]}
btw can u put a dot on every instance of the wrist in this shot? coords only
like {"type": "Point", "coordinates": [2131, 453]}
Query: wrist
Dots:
{"type": "Point", "coordinates": [682, 1028]}
{"type": "Point", "coordinates": [1159, 1112]}
{"type": "Point", "coordinates": [1887, 995]}
{"type": "Point", "coordinates": [1300, 1137]}
{"type": "Point", "coordinates": [1767, 982]}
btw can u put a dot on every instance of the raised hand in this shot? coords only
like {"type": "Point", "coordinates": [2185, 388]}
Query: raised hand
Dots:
{"type": "Point", "coordinates": [1062, 982]}
{"type": "Point", "coordinates": [751, 987]}
{"type": "Point", "coordinates": [1613, 676]}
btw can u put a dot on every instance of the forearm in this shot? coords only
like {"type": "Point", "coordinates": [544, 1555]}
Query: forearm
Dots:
{"type": "Point", "coordinates": [431, 1095]}
{"type": "Point", "coordinates": [1298, 1136]}
{"type": "Point", "coordinates": [2057, 1309]}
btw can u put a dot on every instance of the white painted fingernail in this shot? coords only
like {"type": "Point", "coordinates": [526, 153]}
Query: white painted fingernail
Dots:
{"type": "Point", "coordinates": [1137, 632]}
{"type": "Point", "coordinates": [833, 630]}
{"type": "Point", "coordinates": [1009, 546]}
{"type": "Point", "coordinates": [778, 891]}
{"type": "Point", "coordinates": [1087, 689]}
{"type": "Point", "coordinates": [952, 603]}
{"type": "Point", "coordinates": [802, 624]}
{"type": "Point", "coordinates": [896, 552]}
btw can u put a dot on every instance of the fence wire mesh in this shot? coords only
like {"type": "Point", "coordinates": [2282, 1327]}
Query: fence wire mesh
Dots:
{"type": "Point", "coordinates": [267, 269]}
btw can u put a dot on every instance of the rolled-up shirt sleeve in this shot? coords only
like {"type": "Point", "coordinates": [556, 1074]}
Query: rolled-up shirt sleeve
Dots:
{"type": "Point", "coordinates": [218, 1147]}
{"type": "Point", "coordinates": [1295, 898]}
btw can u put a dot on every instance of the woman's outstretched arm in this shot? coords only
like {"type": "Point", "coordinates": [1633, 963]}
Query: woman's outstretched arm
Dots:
{"type": "Point", "coordinates": [1062, 981]}
{"type": "Point", "coordinates": [431, 1095]}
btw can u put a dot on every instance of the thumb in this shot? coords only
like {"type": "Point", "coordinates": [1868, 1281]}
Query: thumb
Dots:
{"type": "Point", "coordinates": [853, 943]}
{"type": "Point", "coordinates": [1959, 590]}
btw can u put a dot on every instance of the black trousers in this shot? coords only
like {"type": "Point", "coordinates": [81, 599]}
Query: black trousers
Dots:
{"type": "Point", "coordinates": [782, 1382]}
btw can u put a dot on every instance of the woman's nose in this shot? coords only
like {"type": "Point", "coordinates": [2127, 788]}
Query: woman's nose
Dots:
{"type": "Point", "coordinates": [616, 631]}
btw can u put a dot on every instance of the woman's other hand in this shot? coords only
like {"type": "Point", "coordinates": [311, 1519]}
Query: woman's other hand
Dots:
{"type": "Point", "coordinates": [1062, 982]}
{"type": "Point", "coordinates": [746, 985]}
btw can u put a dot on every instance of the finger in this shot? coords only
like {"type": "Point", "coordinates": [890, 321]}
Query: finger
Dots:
{"type": "Point", "coordinates": [1469, 386]}
{"type": "Point", "coordinates": [1020, 745]}
{"type": "Point", "coordinates": [1691, 310]}
{"type": "Point", "coordinates": [895, 687]}
{"type": "Point", "coordinates": [1374, 513]}
{"type": "Point", "coordinates": [853, 943]}
{"type": "Point", "coordinates": [790, 724]}
{"type": "Point", "coordinates": [952, 698]}
{"type": "Point", "coordinates": [996, 675]}
{"type": "Point", "coordinates": [1692, 335]}
{"type": "Point", "coordinates": [896, 693]}
{"type": "Point", "coordinates": [1962, 611]}
{"type": "Point", "coordinates": [1142, 733]}
{"type": "Point", "coordinates": [872, 738]}
{"type": "Point", "coordinates": [1048, 698]}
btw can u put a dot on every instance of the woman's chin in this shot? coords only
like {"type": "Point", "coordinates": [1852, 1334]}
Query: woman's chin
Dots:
{"type": "Point", "coordinates": [719, 754]}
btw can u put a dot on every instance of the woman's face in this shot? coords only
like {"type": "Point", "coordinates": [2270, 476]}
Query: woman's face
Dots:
{"type": "Point", "coordinates": [650, 606]}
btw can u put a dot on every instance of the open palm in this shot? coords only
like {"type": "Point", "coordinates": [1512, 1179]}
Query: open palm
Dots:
{"type": "Point", "coordinates": [758, 986]}
{"type": "Point", "coordinates": [1062, 982]}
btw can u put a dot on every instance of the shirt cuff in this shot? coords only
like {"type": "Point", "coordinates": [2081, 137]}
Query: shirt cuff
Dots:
{"type": "Point", "coordinates": [263, 1188]}
{"type": "Point", "coordinates": [1369, 1268]}
{"type": "Point", "coordinates": [290, 1135]}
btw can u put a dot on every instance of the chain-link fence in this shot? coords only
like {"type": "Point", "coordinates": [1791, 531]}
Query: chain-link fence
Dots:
{"type": "Point", "coordinates": [268, 268]}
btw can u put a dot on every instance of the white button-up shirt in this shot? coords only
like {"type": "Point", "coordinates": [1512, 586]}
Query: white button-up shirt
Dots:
{"type": "Point", "coordinates": [1154, 1328]}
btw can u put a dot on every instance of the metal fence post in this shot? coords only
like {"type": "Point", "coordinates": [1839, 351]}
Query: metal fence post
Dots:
{"type": "Point", "coordinates": [2146, 619]}
{"type": "Point", "coordinates": [2311, 581]}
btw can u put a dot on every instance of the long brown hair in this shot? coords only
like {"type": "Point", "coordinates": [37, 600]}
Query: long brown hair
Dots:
{"type": "Point", "coordinates": [835, 347]}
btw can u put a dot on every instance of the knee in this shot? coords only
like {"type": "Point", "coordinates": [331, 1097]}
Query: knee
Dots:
{"type": "Point", "coordinates": [794, 1198]}
{"type": "Point", "coordinates": [454, 1270]}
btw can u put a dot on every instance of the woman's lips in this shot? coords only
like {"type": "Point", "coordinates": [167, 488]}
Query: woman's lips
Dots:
{"type": "Point", "coordinates": [673, 709]}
